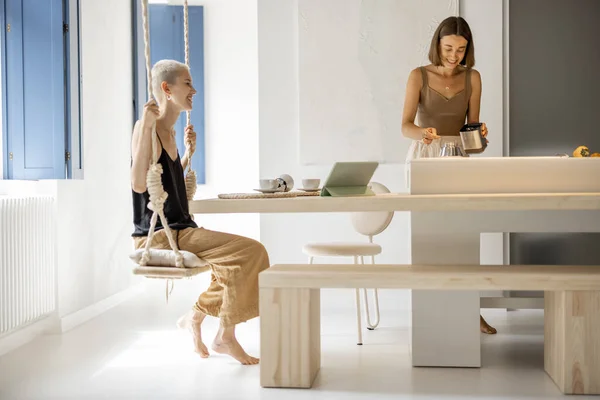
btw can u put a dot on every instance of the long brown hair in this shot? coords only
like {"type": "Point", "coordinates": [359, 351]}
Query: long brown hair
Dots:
{"type": "Point", "coordinates": [452, 26]}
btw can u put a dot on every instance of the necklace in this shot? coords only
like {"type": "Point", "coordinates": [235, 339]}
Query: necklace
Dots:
{"type": "Point", "coordinates": [441, 74]}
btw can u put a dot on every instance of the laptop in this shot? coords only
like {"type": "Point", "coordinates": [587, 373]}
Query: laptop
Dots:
{"type": "Point", "coordinates": [350, 179]}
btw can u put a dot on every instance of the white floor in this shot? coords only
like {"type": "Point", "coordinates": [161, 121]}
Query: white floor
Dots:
{"type": "Point", "coordinates": [134, 351]}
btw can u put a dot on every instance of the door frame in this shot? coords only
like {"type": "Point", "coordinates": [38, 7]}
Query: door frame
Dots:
{"type": "Point", "coordinates": [3, 94]}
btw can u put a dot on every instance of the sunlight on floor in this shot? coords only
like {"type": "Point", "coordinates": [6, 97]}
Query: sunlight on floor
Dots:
{"type": "Point", "coordinates": [156, 349]}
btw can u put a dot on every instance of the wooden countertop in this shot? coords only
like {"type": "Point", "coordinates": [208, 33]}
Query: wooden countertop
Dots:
{"type": "Point", "coordinates": [402, 202]}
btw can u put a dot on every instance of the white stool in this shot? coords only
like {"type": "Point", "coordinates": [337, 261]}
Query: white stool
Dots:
{"type": "Point", "coordinates": [368, 224]}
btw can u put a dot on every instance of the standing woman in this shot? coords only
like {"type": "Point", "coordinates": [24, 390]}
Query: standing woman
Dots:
{"type": "Point", "coordinates": [443, 95]}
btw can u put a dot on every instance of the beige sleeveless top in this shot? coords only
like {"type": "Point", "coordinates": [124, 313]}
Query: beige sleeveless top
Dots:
{"type": "Point", "coordinates": [447, 116]}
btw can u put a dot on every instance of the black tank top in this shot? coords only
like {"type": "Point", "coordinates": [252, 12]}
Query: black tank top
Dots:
{"type": "Point", "coordinates": [176, 206]}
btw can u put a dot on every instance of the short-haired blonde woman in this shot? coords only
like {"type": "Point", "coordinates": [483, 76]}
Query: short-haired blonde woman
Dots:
{"type": "Point", "coordinates": [235, 261]}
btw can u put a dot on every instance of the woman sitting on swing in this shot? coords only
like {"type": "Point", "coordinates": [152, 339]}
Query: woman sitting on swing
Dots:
{"type": "Point", "coordinates": [235, 261]}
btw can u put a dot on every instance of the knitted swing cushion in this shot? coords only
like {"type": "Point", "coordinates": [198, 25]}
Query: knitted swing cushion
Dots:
{"type": "Point", "coordinates": [166, 258]}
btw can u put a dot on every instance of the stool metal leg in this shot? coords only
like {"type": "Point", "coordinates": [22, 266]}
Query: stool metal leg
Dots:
{"type": "Point", "coordinates": [371, 326]}
{"type": "Point", "coordinates": [358, 313]}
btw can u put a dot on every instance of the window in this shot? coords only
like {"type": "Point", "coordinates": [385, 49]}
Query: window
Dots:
{"type": "Point", "coordinates": [40, 89]}
{"type": "Point", "coordinates": [167, 42]}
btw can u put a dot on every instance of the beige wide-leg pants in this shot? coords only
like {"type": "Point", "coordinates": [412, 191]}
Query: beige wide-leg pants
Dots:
{"type": "Point", "coordinates": [235, 262]}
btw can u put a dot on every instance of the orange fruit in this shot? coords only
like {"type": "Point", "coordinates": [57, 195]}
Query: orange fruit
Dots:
{"type": "Point", "coordinates": [581, 151]}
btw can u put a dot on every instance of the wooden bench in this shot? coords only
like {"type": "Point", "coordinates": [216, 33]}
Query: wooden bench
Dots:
{"type": "Point", "coordinates": [290, 313]}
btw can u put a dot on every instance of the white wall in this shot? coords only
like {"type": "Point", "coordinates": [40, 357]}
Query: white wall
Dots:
{"type": "Point", "coordinates": [284, 235]}
{"type": "Point", "coordinates": [95, 213]}
{"type": "Point", "coordinates": [231, 107]}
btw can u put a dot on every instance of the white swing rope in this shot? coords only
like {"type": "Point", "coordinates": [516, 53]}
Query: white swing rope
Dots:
{"type": "Point", "coordinates": [153, 179]}
{"type": "Point", "coordinates": [190, 176]}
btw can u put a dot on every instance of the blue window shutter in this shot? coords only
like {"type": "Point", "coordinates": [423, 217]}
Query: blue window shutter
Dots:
{"type": "Point", "coordinates": [35, 89]}
{"type": "Point", "coordinates": [167, 42]}
{"type": "Point", "coordinates": [196, 38]}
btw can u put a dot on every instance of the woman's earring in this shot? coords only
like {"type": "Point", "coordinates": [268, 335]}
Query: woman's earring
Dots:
{"type": "Point", "coordinates": [168, 97]}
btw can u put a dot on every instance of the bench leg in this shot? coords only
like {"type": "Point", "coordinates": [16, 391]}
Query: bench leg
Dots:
{"type": "Point", "coordinates": [572, 340]}
{"type": "Point", "coordinates": [290, 337]}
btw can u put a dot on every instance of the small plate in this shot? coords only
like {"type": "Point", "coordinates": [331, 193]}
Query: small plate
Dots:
{"type": "Point", "coordinates": [309, 190]}
{"type": "Point", "coordinates": [269, 190]}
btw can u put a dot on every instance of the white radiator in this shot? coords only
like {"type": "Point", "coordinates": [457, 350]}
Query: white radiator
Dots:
{"type": "Point", "coordinates": [27, 260]}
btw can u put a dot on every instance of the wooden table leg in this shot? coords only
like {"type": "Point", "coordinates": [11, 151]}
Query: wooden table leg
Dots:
{"type": "Point", "coordinates": [290, 337]}
{"type": "Point", "coordinates": [572, 340]}
{"type": "Point", "coordinates": [445, 324]}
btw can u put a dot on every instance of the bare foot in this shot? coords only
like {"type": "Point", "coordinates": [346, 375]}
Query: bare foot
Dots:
{"type": "Point", "coordinates": [192, 321]}
{"type": "Point", "coordinates": [233, 348]}
{"type": "Point", "coordinates": [485, 327]}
